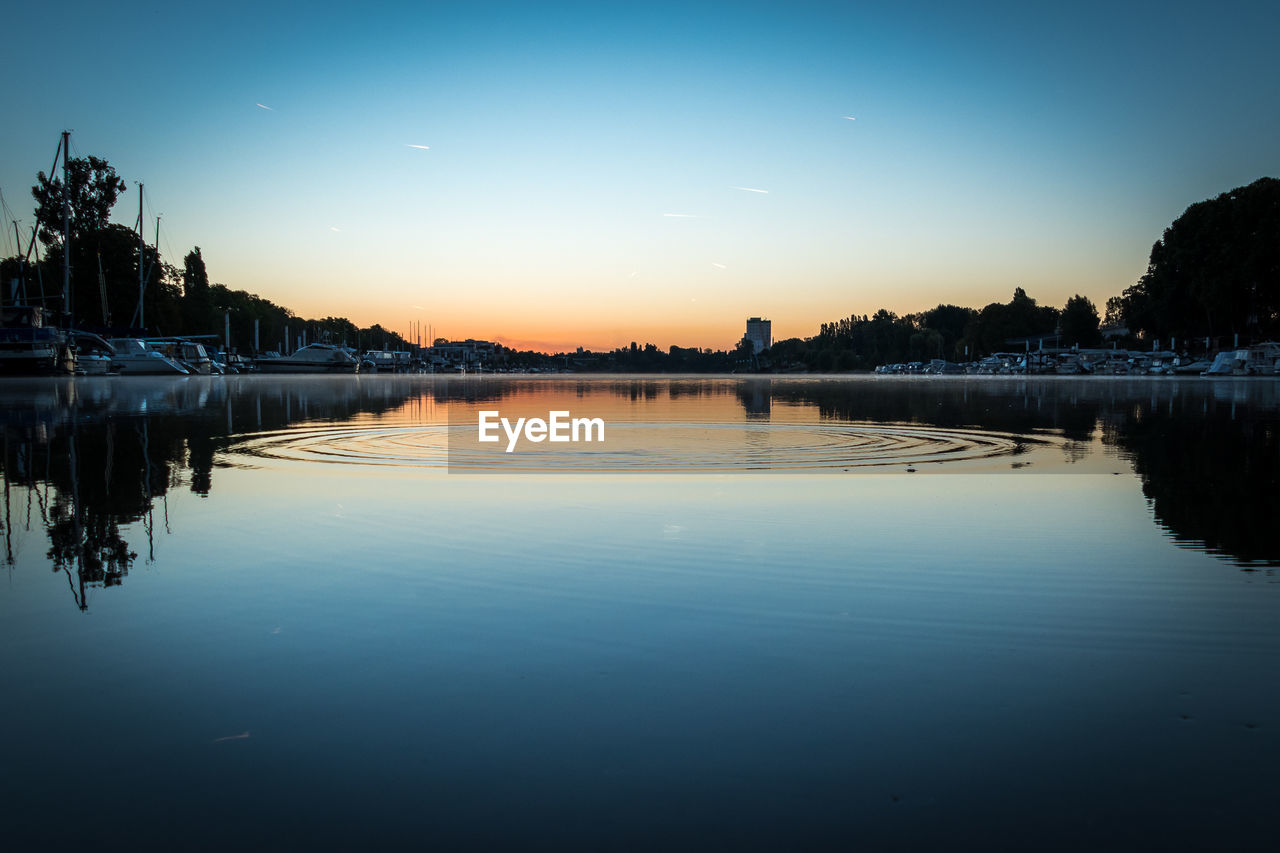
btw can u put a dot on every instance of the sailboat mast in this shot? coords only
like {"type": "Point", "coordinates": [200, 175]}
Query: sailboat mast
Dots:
{"type": "Point", "coordinates": [66, 225]}
{"type": "Point", "coordinates": [27, 258]}
{"type": "Point", "coordinates": [22, 267]}
{"type": "Point", "coordinates": [142, 282]}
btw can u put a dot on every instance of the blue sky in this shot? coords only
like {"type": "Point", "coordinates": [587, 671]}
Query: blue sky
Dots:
{"type": "Point", "coordinates": [993, 146]}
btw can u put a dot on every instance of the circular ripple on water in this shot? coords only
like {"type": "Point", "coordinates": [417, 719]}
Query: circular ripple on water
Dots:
{"type": "Point", "coordinates": [642, 447]}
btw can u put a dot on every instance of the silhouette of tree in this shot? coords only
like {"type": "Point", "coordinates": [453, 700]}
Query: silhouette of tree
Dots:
{"type": "Point", "coordinates": [197, 301]}
{"type": "Point", "coordinates": [1079, 322]}
{"type": "Point", "coordinates": [95, 186]}
{"type": "Point", "coordinates": [1216, 269]}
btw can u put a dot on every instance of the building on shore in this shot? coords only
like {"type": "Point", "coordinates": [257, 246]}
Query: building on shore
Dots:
{"type": "Point", "coordinates": [759, 334]}
{"type": "Point", "coordinates": [469, 354]}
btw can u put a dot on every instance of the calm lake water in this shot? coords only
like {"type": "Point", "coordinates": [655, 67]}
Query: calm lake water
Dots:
{"type": "Point", "coordinates": [866, 613]}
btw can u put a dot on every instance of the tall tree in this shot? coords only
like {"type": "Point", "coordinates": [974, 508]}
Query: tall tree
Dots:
{"type": "Point", "coordinates": [950, 322]}
{"type": "Point", "coordinates": [195, 278]}
{"type": "Point", "coordinates": [95, 186]}
{"type": "Point", "coordinates": [1079, 322]}
{"type": "Point", "coordinates": [197, 302]}
{"type": "Point", "coordinates": [997, 324]}
{"type": "Point", "coordinates": [1216, 269]}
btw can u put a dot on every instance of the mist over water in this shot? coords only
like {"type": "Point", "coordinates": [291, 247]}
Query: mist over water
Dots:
{"type": "Point", "coordinates": [316, 612]}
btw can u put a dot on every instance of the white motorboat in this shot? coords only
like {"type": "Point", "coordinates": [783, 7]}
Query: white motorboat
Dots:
{"type": "Point", "coordinates": [93, 354]}
{"type": "Point", "coordinates": [385, 361]}
{"type": "Point", "coordinates": [1260, 359]}
{"type": "Point", "coordinates": [133, 357]}
{"type": "Point", "coordinates": [1189, 366]}
{"type": "Point", "coordinates": [1223, 364]}
{"type": "Point", "coordinates": [313, 358]}
{"type": "Point", "coordinates": [190, 354]}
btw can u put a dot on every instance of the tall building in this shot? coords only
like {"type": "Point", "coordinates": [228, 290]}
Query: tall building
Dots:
{"type": "Point", "coordinates": [759, 333]}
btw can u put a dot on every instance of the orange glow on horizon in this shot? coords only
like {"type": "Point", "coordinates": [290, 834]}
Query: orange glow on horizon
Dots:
{"type": "Point", "coordinates": [561, 328]}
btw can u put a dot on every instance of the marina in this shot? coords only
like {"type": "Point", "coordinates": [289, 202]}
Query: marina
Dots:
{"type": "Point", "coordinates": [1261, 359]}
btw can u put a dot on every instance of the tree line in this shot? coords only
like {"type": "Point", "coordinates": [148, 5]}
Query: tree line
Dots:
{"type": "Point", "coordinates": [122, 286]}
{"type": "Point", "coordinates": [1213, 278]}
{"type": "Point", "coordinates": [1215, 272]}
{"type": "Point", "coordinates": [946, 332]}
{"type": "Point", "coordinates": [1213, 275]}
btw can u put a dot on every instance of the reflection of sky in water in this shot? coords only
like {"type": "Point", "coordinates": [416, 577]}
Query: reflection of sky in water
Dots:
{"type": "Point", "coordinates": [747, 659]}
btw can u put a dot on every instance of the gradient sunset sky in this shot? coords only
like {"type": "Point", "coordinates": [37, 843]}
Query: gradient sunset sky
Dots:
{"type": "Point", "coordinates": [555, 175]}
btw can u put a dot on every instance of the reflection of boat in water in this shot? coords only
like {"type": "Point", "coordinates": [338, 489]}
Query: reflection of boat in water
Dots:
{"type": "Point", "coordinates": [313, 358]}
{"type": "Point", "coordinates": [28, 346]}
{"type": "Point", "coordinates": [133, 357]}
{"type": "Point", "coordinates": [1203, 450]}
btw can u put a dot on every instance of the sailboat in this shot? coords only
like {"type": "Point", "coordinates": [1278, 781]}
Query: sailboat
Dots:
{"type": "Point", "coordinates": [28, 346]}
{"type": "Point", "coordinates": [28, 343]}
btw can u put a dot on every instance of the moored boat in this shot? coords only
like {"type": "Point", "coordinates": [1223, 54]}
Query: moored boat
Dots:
{"type": "Point", "coordinates": [190, 354]}
{"type": "Point", "coordinates": [385, 361]}
{"type": "Point", "coordinates": [1260, 359]}
{"type": "Point", "coordinates": [93, 354]}
{"type": "Point", "coordinates": [1188, 366]}
{"type": "Point", "coordinates": [313, 358]}
{"type": "Point", "coordinates": [132, 357]}
{"type": "Point", "coordinates": [29, 347]}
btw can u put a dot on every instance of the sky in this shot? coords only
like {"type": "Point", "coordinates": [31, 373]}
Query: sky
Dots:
{"type": "Point", "coordinates": [556, 175]}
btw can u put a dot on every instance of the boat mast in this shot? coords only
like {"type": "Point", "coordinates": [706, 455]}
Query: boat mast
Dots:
{"type": "Point", "coordinates": [142, 282]}
{"type": "Point", "coordinates": [66, 226]}
{"type": "Point", "coordinates": [31, 252]}
{"type": "Point", "coordinates": [22, 267]}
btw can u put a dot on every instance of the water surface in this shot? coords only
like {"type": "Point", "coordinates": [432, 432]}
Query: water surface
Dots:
{"type": "Point", "coordinates": [766, 613]}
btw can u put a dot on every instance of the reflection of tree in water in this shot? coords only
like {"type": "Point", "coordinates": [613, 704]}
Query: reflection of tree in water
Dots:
{"type": "Point", "coordinates": [88, 481]}
{"type": "Point", "coordinates": [92, 459]}
{"type": "Point", "coordinates": [1207, 452]}
{"type": "Point", "coordinates": [637, 389]}
{"type": "Point", "coordinates": [1212, 481]}
{"type": "Point", "coordinates": [1023, 408]}
{"type": "Point", "coordinates": [92, 548]}
{"type": "Point", "coordinates": [89, 465]}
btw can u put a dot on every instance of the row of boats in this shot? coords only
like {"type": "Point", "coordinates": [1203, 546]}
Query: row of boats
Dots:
{"type": "Point", "coordinates": [29, 347]}
{"type": "Point", "coordinates": [1258, 360]}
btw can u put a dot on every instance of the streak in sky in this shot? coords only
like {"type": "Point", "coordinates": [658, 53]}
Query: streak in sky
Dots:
{"type": "Point", "coordinates": [420, 147]}
{"type": "Point", "coordinates": [241, 736]}
{"type": "Point", "coordinates": [265, 107]}
{"type": "Point", "coordinates": [750, 190]}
